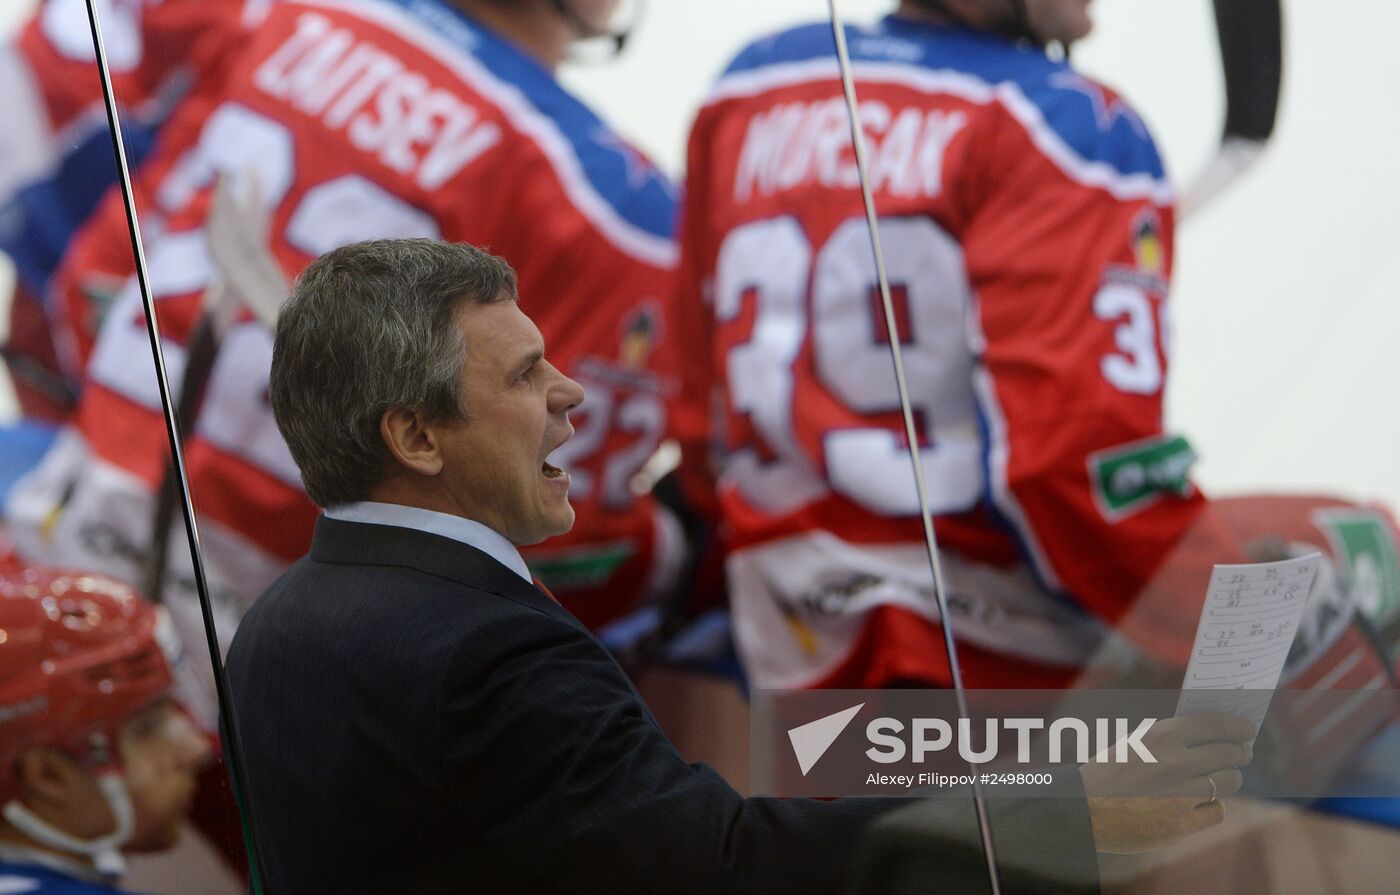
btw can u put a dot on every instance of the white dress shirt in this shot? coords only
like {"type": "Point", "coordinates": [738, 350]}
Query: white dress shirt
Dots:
{"type": "Point", "coordinates": [467, 531]}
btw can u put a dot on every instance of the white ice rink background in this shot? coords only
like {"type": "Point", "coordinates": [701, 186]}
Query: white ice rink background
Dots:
{"type": "Point", "coordinates": [1299, 257]}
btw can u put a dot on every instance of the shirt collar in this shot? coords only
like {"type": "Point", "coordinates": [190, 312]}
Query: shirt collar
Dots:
{"type": "Point", "coordinates": [465, 531]}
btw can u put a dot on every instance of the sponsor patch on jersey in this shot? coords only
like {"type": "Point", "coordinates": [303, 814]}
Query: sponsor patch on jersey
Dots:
{"type": "Point", "coordinates": [1132, 477]}
{"type": "Point", "coordinates": [1365, 549]}
{"type": "Point", "coordinates": [838, 598]}
{"type": "Point", "coordinates": [100, 291]}
{"type": "Point", "coordinates": [580, 567]}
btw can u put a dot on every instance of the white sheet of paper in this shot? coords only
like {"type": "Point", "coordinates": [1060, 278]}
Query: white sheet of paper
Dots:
{"type": "Point", "coordinates": [1246, 629]}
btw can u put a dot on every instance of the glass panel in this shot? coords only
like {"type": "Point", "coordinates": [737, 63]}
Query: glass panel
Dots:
{"type": "Point", "coordinates": [1273, 345]}
{"type": "Point", "coordinates": [1056, 253]}
{"type": "Point", "coordinates": [98, 631]}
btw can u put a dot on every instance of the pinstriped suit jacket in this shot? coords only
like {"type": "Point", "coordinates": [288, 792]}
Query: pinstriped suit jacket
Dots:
{"type": "Point", "coordinates": [417, 718]}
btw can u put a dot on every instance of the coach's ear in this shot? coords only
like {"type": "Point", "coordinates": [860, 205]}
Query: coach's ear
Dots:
{"type": "Point", "coordinates": [412, 444]}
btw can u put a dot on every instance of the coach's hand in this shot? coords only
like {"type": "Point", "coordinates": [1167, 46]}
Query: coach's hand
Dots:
{"type": "Point", "coordinates": [1137, 805]}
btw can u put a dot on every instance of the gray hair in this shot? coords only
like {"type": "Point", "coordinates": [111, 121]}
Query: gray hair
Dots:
{"type": "Point", "coordinates": [369, 327]}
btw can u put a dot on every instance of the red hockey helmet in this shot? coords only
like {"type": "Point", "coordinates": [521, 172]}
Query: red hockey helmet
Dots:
{"type": "Point", "coordinates": [79, 654]}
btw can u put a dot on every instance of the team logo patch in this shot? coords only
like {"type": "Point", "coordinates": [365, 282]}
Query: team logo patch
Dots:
{"type": "Point", "coordinates": [1364, 546]}
{"type": "Point", "coordinates": [1147, 243]}
{"type": "Point", "coordinates": [100, 292]}
{"type": "Point", "coordinates": [1132, 477]}
{"type": "Point", "coordinates": [638, 337]}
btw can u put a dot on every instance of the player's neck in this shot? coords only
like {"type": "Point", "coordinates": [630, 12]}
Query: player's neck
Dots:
{"type": "Point", "coordinates": [919, 14]}
{"type": "Point", "coordinates": [533, 27]}
{"type": "Point", "coordinates": [972, 16]}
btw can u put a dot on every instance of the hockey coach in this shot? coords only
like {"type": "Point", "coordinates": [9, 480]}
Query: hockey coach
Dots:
{"type": "Point", "coordinates": [416, 715]}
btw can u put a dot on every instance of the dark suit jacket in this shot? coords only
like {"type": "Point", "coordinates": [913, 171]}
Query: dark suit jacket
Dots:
{"type": "Point", "coordinates": [417, 718]}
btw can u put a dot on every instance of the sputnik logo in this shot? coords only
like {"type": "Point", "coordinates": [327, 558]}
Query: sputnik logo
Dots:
{"type": "Point", "coordinates": [811, 740]}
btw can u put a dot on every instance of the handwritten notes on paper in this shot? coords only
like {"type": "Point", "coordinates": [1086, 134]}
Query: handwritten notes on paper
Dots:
{"type": "Point", "coordinates": [1246, 629]}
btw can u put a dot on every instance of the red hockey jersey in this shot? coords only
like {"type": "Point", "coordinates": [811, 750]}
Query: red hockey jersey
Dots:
{"type": "Point", "coordinates": [350, 121]}
{"type": "Point", "coordinates": [56, 153]}
{"type": "Point", "coordinates": [1028, 232]}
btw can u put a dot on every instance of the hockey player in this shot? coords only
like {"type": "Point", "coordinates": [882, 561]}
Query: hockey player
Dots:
{"type": "Point", "coordinates": [349, 121]}
{"type": "Point", "coordinates": [1028, 229]}
{"type": "Point", "coordinates": [95, 758]}
{"type": "Point", "coordinates": [56, 155]}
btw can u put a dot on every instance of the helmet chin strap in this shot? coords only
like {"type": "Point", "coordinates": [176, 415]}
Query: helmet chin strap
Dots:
{"type": "Point", "coordinates": [1023, 22]}
{"type": "Point", "coordinates": [103, 851]}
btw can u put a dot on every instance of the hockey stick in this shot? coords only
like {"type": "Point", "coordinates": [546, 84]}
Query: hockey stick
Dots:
{"type": "Point", "coordinates": [200, 351]}
{"type": "Point", "coordinates": [940, 594]}
{"type": "Point", "coordinates": [233, 755]}
{"type": "Point", "coordinates": [246, 276]}
{"type": "Point", "coordinates": [1251, 55]}
{"type": "Point", "coordinates": [39, 378]}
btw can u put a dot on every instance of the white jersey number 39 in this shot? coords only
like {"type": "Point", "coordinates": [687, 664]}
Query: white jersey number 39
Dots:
{"type": "Point", "coordinates": [822, 299]}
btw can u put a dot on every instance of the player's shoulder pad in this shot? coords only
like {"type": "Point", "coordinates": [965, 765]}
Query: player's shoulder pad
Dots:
{"type": "Point", "coordinates": [617, 171]}
{"type": "Point", "coordinates": [1095, 123]}
{"type": "Point", "coordinates": [800, 44]}
{"type": "Point", "coordinates": [1084, 127]}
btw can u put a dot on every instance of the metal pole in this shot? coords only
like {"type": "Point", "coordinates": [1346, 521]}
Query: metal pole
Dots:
{"type": "Point", "coordinates": [232, 753]}
{"type": "Point", "coordinates": [872, 221]}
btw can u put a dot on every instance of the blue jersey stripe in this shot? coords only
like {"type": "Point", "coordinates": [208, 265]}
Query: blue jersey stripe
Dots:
{"type": "Point", "coordinates": [38, 222]}
{"type": "Point", "coordinates": [639, 193]}
{"type": "Point", "coordinates": [1096, 127]}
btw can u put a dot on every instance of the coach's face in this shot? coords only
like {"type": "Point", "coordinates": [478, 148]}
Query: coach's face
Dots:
{"type": "Point", "coordinates": [517, 404]}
